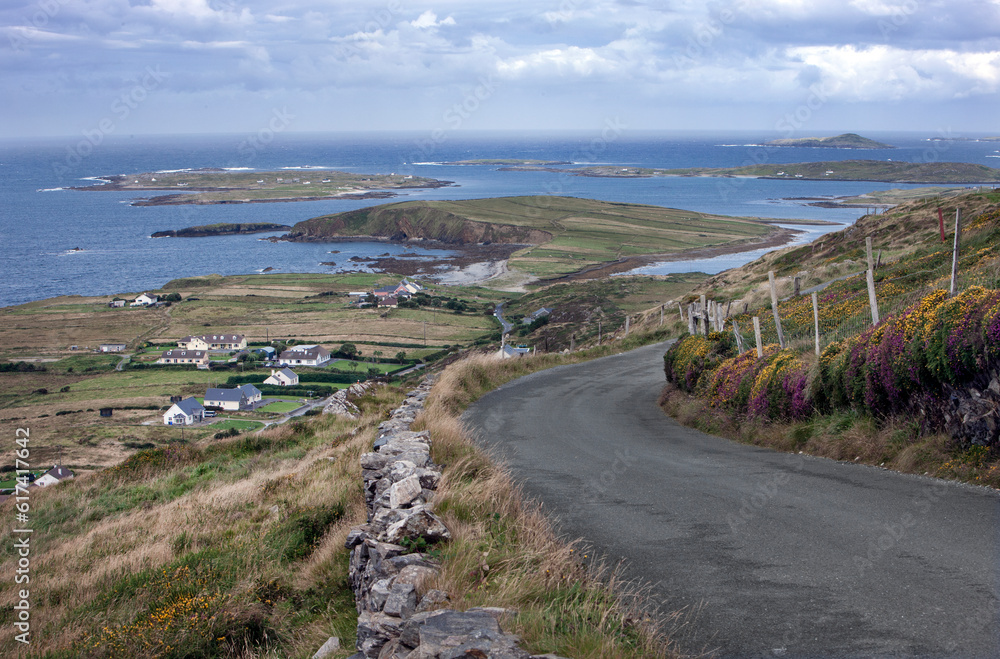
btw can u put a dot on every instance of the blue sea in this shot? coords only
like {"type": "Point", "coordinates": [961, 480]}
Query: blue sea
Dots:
{"type": "Point", "coordinates": [43, 222]}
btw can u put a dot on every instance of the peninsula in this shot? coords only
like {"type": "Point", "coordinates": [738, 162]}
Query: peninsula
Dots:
{"type": "Point", "coordinates": [547, 237]}
{"type": "Point", "coordinates": [507, 162]}
{"type": "Point", "coordinates": [222, 229]}
{"type": "Point", "coordinates": [880, 171]}
{"type": "Point", "coordinates": [845, 141]}
{"type": "Point", "coordinates": [223, 186]}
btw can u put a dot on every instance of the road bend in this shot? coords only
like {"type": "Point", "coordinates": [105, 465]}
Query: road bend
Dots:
{"type": "Point", "coordinates": [767, 554]}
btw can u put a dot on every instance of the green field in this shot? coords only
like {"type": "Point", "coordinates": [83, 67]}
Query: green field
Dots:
{"type": "Point", "coordinates": [280, 407]}
{"type": "Point", "coordinates": [567, 233]}
{"type": "Point", "coordinates": [242, 425]}
{"type": "Point", "coordinates": [209, 187]}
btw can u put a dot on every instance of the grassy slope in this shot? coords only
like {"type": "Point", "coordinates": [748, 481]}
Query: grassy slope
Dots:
{"type": "Point", "coordinates": [567, 234]}
{"type": "Point", "coordinates": [915, 261]}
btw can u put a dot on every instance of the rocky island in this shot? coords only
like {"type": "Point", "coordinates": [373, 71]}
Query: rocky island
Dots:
{"type": "Point", "coordinates": [222, 186]}
{"type": "Point", "coordinates": [845, 141]}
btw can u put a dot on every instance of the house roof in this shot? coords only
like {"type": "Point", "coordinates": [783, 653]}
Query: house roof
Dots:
{"type": "Point", "coordinates": [59, 473]}
{"type": "Point", "coordinates": [180, 352]}
{"type": "Point", "coordinates": [215, 338]}
{"type": "Point", "coordinates": [305, 352]}
{"type": "Point", "coordinates": [249, 389]}
{"type": "Point", "coordinates": [288, 373]}
{"type": "Point", "coordinates": [190, 405]}
{"type": "Point", "coordinates": [508, 349]}
{"type": "Point", "coordinates": [228, 395]}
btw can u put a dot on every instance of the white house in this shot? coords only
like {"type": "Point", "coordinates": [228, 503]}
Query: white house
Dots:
{"type": "Point", "coordinates": [116, 303]}
{"type": "Point", "coordinates": [305, 355]}
{"type": "Point", "coordinates": [144, 300]}
{"type": "Point", "coordinates": [53, 476]}
{"type": "Point", "coordinates": [112, 347]}
{"type": "Point", "coordinates": [178, 356]}
{"type": "Point", "coordinates": [184, 413]}
{"type": "Point", "coordinates": [228, 399]}
{"type": "Point", "coordinates": [507, 351]}
{"type": "Point", "coordinates": [214, 342]}
{"type": "Point", "coordinates": [285, 377]}
{"type": "Point", "coordinates": [252, 393]}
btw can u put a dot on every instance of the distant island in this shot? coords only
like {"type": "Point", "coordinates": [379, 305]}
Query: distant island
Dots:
{"type": "Point", "coordinates": [221, 230]}
{"type": "Point", "coordinates": [845, 141]}
{"type": "Point", "coordinates": [223, 186]}
{"type": "Point", "coordinates": [880, 171]}
{"type": "Point", "coordinates": [507, 161]}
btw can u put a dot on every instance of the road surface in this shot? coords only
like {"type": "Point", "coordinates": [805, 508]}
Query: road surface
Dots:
{"type": "Point", "coordinates": [770, 554]}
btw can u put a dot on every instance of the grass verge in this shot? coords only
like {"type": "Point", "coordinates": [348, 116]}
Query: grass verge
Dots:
{"type": "Point", "coordinates": [504, 551]}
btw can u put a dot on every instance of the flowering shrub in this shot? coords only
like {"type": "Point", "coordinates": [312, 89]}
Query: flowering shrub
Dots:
{"type": "Point", "coordinates": [692, 355]}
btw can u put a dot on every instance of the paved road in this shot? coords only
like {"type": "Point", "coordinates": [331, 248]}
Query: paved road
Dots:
{"type": "Point", "coordinates": [774, 554]}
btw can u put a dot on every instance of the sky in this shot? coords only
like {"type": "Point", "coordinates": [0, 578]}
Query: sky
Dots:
{"type": "Point", "coordinates": [793, 68]}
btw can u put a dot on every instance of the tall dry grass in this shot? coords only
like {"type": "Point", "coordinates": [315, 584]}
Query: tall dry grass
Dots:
{"type": "Point", "coordinates": [504, 551]}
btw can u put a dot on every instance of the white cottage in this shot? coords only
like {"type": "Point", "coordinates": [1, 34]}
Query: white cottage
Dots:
{"type": "Point", "coordinates": [184, 413]}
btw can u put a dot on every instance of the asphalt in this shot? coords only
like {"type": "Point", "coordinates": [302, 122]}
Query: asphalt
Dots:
{"type": "Point", "coordinates": [765, 554]}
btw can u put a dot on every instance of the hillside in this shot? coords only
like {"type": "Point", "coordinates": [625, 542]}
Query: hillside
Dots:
{"type": "Point", "coordinates": [561, 235]}
{"type": "Point", "coordinates": [845, 141]}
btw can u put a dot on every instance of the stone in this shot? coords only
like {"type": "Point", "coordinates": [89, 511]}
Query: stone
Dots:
{"type": "Point", "coordinates": [403, 492]}
{"type": "Point", "coordinates": [379, 593]}
{"type": "Point", "coordinates": [332, 645]}
{"type": "Point", "coordinates": [432, 600]}
{"type": "Point", "coordinates": [402, 600]}
{"type": "Point", "coordinates": [355, 537]}
{"type": "Point", "coordinates": [417, 576]}
{"type": "Point", "coordinates": [429, 478]}
{"type": "Point", "coordinates": [401, 469]}
{"type": "Point", "coordinates": [374, 461]}
{"type": "Point", "coordinates": [447, 634]}
{"type": "Point", "coordinates": [421, 524]}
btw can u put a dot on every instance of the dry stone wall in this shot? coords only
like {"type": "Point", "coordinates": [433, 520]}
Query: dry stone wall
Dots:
{"type": "Point", "coordinates": [399, 617]}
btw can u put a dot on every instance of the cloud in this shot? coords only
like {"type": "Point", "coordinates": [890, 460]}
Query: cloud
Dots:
{"type": "Point", "coordinates": [429, 19]}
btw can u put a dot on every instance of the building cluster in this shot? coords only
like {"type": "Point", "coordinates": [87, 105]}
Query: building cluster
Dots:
{"type": "Point", "coordinates": [387, 296]}
{"type": "Point", "coordinates": [244, 397]}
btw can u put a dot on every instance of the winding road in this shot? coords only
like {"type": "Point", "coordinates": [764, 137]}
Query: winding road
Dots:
{"type": "Point", "coordinates": [766, 554]}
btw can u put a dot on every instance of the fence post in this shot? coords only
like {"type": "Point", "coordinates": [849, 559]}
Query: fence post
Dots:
{"type": "Point", "coordinates": [598, 332]}
{"type": "Point", "coordinates": [680, 310]}
{"type": "Point", "coordinates": [661, 313]}
{"type": "Point", "coordinates": [872, 300]}
{"type": "Point", "coordinates": [691, 321]}
{"type": "Point", "coordinates": [798, 286]}
{"type": "Point", "coordinates": [572, 342]}
{"type": "Point", "coordinates": [739, 337]}
{"type": "Point", "coordinates": [816, 320]}
{"type": "Point", "coordinates": [704, 313]}
{"type": "Point", "coordinates": [774, 308]}
{"type": "Point", "coordinates": [756, 332]}
{"type": "Point", "coordinates": [954, 253]}
{"type": "Point", "coordinates": [627, 318]}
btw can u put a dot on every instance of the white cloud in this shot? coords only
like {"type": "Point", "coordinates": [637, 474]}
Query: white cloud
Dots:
{"type": "Point", "coordinates": [430, 19]}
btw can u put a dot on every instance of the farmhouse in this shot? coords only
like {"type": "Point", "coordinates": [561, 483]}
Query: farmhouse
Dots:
{"type": "Point", "coordinates": [184, 413]}
{"type": "Point", "coordinates": [179, 356]}
{"type": "Point", "coordinates": [226, 399]}
{"type": "Point", "coordinates": [145, 300]}
{"type": "Point", "coordinates": [507, 351]}
{"type": "Point", "coordinates": [285, 377]}
{"type": "Point", "coordinates": [532, 317]}
{"type": "Point", "coordinates": [305, 355]}
{"type": "Point", "coordinates": [214, 342]}
{"type": "Point", "coordinates": [252, 393]}
{"type": "Point", "coordinates": [54, 476]}
{"type": "Point", "coordinates": [116, 303]}
{"type": "Point", "coordinates": [112, 347]}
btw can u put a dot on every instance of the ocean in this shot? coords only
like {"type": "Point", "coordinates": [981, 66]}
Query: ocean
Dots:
{"type": "Point", "coordinates": [59, 241]}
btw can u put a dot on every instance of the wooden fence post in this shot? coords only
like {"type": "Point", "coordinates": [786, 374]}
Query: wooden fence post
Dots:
{"type": "Point", "coordinates": [872, 300]}
{"type": "Point", "coordinates": [627, 319]}
{"type": "Point", "coordinates": [704, 313]}
{"type": "Point", "coordinates": [598, 332]}
{"type": "Point", "coordinates": [954, 253]}
{"type": "Point", "coordinates": [816, 320]}
{"type": "Point", "coordinates": [774, 308]}
{"type": "Point", "coordinates": [756, 332]}
{"type": "Point", "coordinates": [739, 337]}
{"type": "Point", "coordinates": [691, 321]}
{"type": "Point", "coordinates": [661, 313]}
{"type": "Point", "coordinates": [798, 286]}
{"type": "Point", "coordinates": [680, 310]}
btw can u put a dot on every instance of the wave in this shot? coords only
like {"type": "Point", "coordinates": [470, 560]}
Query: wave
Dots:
{"type": "Point", "coordinates": [238, 169]}
{"type": "Point", "coordinates": [309, 167]}
{"type": "Point", "coordinates": [173, 171]}
{"type": "Point", "coordinates": [427, 163]}
{"type": "Point", "coordinates": [49, 189]}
